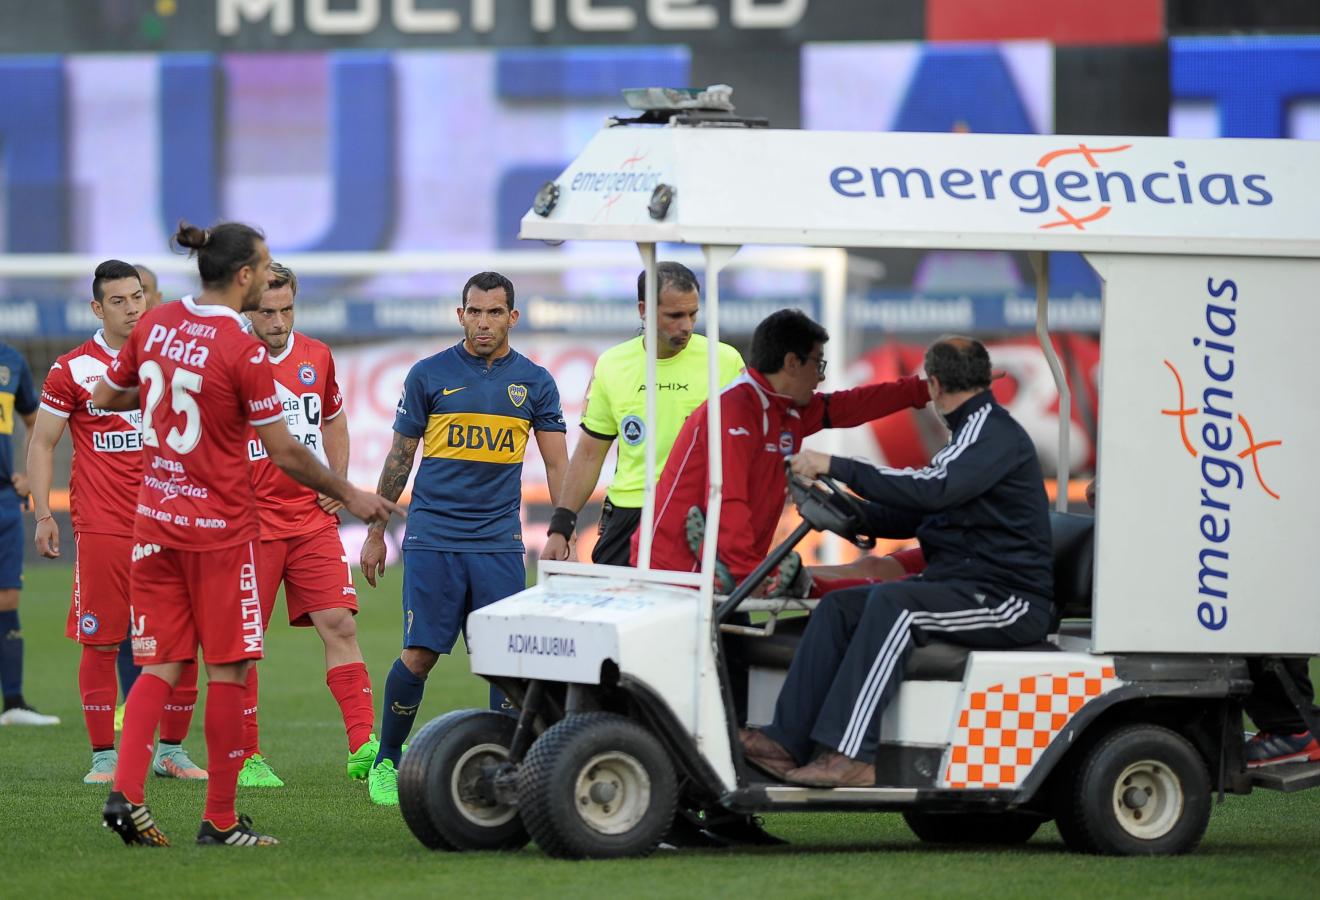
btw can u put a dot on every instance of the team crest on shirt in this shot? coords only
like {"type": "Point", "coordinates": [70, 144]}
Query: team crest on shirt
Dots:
{"type": "Point", "coordinates": [786, 443]}
{"type": "Point", "coordinates": [518, 394]}
{"type": "Point", "coordinates": [88, 624]}
{"type": "Point", "coordinates": [307, 374]}
{"type": "Point", "coordinates": [4, 374]}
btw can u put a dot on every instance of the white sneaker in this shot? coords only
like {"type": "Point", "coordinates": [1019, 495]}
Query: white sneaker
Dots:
{"type": "Point", "coordinates": [26, 715]}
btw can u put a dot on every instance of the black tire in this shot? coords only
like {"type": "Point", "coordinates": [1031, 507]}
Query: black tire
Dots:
{"type": "Point", "coordinates": [597, 786]}
{"type": "Point", "coordinates": [999, 828]}
{"type": "Point", "coordinates": [1141, 791]}
{"type": "Point", "coordinates": [466, 742]}
{"type": "Point", "coordinates": [414, 772]}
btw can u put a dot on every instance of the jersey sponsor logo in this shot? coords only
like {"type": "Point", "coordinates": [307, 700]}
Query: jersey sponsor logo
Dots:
{"type": "Point", "coordinates": [169, 345]}
{"type": "Point", "coordinates": [633, 430]}
{"type": "Point", "coordinates": [665, 386]}
{"type": "Point", "coordinates": [307, 374]}
{"type": "Point", "coordinates": [116, 441]}
{"type": "Point", "coordinates": [446, 392]}
{"type": "Point", "coordinates": [518, 394]}
{"type": "Point", "coordinates": [476, 437]}
{"type": "Point", "coordinates": [6, 413]}
{"type": "Point", "coordinates": [142, 551]}
{"type": "Point", "coordinates": [265, 405]}
{"type": "Point", "coordinates": [88, 624]}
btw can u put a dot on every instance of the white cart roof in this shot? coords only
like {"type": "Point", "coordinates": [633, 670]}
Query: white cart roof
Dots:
{"type": "Point", "coordinates": [859, 189]}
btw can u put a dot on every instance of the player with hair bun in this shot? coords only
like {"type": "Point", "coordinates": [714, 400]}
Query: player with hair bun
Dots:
{"type": "Point", "coordinates": [202, 385]}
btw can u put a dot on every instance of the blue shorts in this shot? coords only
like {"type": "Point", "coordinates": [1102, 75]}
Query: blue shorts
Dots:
{"type": "Point", "coordinates": [12, 541]}
{"type": "Point", "coordinates": [441, 587]}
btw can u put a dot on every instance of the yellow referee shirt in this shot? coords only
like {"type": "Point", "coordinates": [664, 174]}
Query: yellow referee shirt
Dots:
{"type": "Point", "coordinates": [616, 405]}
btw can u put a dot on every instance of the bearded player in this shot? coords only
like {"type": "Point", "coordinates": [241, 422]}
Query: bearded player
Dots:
{"type": "Point", "coordinates": [106, 472]}
{"type": "Point", "coordinates": [202, 385]}
{"type": "Point", "coordinates": [300, 531]}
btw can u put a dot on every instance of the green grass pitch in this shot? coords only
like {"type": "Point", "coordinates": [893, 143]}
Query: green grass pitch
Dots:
{"type": "Point", "coordinates": [336, 844]}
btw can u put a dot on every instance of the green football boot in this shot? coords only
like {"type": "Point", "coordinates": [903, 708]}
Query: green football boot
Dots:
{"type": "Point", "coordinates": [383, 784]}
{"type": "Point", "coordinates": [360, 760]}
{"type": "Point", "coordinates": [256, 772]}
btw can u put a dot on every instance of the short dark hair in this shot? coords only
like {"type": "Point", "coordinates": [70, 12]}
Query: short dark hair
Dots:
{"type": "Point", "coordinates": [781, 333]}
{"type": "Point", "coordinates": [960, 364]}
{"type": "Point", "coordinates": [281, 275]}
{"type": "Point", "coordinates": [668, 275]}
{"type": "Point", "coordinates": [221, 250]}
{"type": "Point", "coordinates": [488, 281]}
{"type": "Point", "coordinates": [111, 270]}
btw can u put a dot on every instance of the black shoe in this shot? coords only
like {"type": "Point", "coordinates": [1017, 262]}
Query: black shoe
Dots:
{"type": "Point", "coordinates": [241, 835]}
{"type": "Point", "coordinates": [132, 822]}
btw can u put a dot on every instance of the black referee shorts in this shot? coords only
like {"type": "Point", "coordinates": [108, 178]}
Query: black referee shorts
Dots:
{"type": "Point", "coordinates": [617, 524]}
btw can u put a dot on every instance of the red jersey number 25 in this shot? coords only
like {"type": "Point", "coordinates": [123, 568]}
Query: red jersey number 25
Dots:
{"type": "Point", "coordinates": [183, 385]}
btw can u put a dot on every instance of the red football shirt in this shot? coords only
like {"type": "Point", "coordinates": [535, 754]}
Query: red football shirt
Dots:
{"type": "Point", "coordinates": [202, 384]}
{"type": "Point", "coordinates": [107, 446]}
{"type": "Point", "coordinates": [309, 395]}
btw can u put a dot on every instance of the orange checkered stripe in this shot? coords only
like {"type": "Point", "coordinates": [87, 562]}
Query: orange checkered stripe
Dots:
{"type": "Point", "coordinates": [1003, 731]}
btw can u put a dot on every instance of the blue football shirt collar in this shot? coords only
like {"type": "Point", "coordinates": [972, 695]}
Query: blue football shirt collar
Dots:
{"type": "Point", "coordinates": [479, 362]}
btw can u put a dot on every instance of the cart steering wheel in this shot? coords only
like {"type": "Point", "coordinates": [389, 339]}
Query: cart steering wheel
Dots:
{"type": "Point", "coordinates": [826, 506]}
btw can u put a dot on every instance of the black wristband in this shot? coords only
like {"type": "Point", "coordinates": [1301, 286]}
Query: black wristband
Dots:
{"type": "Point", "coordinates": [562, 521]}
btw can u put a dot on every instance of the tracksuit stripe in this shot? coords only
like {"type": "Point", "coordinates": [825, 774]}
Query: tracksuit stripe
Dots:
{"type": "Point", "coordinates": [938, 468]}
{"type": "Point", "coordinates": [859, 733]}
{"type": "Point", "coordinates": [899, 628]}
{"type": "Point", "coordinates": [895, 644]}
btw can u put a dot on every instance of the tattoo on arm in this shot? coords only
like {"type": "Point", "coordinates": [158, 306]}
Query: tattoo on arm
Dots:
{"type": "Point", "coordinates": [398, 466]}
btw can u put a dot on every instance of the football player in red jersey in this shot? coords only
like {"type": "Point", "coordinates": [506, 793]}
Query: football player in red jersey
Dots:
{"type": "Point", "coordinates": [202, 385]}
{"type": "Point", "coordinates": [300, 532]}
{"type": "Point", "coordinates": [106, 472]}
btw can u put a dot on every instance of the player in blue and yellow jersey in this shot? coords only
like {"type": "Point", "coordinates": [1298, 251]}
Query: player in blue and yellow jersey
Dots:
{"type": "Point", "coordinates": [18, 398]}
{"type": "Point", "coordinates": [471, 408]}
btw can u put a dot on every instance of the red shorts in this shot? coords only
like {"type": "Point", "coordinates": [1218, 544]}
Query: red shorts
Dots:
{"type": "Point", "coordinates": [99, 607]}
{"type": "Point", "coordinates": [315, 571]}
{"type": "Point", "coordinates": [182, 598]}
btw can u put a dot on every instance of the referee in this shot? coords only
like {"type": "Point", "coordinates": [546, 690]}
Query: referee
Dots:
{"type": "Point", "coordinates": [616, 406]}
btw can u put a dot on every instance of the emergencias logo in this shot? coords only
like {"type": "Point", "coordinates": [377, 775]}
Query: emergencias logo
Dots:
{"type": "Point", "coordinates": [629, 177]}
{"type": "Point", "coordinates": [1072, 196]}
{"type": "Point", "coordinates": [1223, 429]}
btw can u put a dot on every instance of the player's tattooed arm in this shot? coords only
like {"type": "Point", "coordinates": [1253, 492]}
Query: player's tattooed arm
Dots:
{"type": "Point", "coordinates": [393, 476]}
{"type": "Point", "coordinates": [398, 466]}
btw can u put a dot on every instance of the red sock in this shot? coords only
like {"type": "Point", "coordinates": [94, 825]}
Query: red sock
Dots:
{"type": "Point", "coordinates": [249, 710]}
{"type": "Point", "coordinates": [224, 750]}
{"type": "Point", "coordinates": [142, 714]}
{"type": "Point", "coordinates": [179, 708]}
{"type": "Point", "coordinates": [351, 686]}
{"type": "Point", "coordinates": [96, 683]}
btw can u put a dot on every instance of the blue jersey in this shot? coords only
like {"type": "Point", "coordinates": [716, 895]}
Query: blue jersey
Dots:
{"type": "Point", "coordinates": [18, 397]}
{"type": "Point", "coordinates": [474, 423]}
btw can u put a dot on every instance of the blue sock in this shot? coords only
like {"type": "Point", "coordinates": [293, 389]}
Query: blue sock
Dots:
{"type": "Point", "coordinates": [128, 670]}
{"type": "Point", "coordinates": [403, 694]}
{"type": "Point", "coordinates": [11, 658]}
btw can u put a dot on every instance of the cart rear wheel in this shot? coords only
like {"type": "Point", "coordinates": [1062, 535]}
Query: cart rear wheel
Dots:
{"type": "Point", "coordinates": [1141, 791]}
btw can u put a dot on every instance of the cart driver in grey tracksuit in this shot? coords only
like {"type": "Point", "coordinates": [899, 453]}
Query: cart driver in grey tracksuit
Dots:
{"type": "Point", "coordinates": [980, 512]}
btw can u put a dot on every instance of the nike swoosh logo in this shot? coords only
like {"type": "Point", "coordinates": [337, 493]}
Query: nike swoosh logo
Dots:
{"type": "Point", "coordinates": [448, 391]}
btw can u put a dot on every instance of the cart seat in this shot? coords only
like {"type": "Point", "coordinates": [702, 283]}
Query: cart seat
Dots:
{"type": "Point", "coordinates": [937, 660]}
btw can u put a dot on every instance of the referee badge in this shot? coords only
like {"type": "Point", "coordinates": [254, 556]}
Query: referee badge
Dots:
{"type": "Point", "coordinates": [518, 394]}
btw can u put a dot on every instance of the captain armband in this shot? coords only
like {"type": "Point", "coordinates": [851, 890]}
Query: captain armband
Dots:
{"type": "Point", "coordinates": [562, 521]}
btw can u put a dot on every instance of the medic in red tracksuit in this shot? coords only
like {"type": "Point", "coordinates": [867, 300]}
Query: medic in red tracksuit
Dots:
{"type": "Point", "coordinates": [761, 429]}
